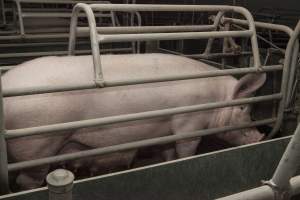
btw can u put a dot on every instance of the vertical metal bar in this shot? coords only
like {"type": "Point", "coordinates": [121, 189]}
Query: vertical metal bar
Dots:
{"type": "Point", "coordinates": [139, 23]}
{"type": "Point", "coordinates": [93, 36]}
{"type": "Point", "coordinates": [284, 81]}
{"type": "Point", "coordinates": [21, 23]}
{"type": "Point", "coordinates": [254, 44]}
{"type": "Point", "coordinates": [133, 44]}
{"type": "Point", "coordinates": [210, 41]}
{"type": "Point", "coordinates": [292, 73]}
{"type": "Point", "coordinates": [289, 163]}
{"type": "Point", "coordinates": [4, 184]}
{"type": "Point", "coordinates": [113, 18]}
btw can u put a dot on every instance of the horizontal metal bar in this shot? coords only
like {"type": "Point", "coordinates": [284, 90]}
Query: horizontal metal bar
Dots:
{"type": "Point", "coordinates": [55, 53]}
{"type": "Point", "coordinates": [38, 44]}
{"type": "Point", "coordinates": [136, 116]}
{"type": "Point", "coordinates": [37, 36]}
{"type": "Point", "coordinates": [132, 145]}
{"type": "Point", "coordinates": [270, 26]}
{"type": "Point", "coordinates": [147, 29]}
{"type": "Point", "coordinates": [58, 14]}
{"type": "Point", "coordinates": [172, 36]}
{"type": "Point", "coordinates": [162, 7]}
{"type": "Point", "coordinates": [217, 55]}
{"type": "Point", "coordinates": [60, 1]}
{"type": "Point", "coordinates": [40, 90]}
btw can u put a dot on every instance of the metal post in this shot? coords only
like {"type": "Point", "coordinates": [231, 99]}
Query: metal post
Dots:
{"type": "Point", "coordinates": [60, 184]}
{"type": "Point", "coordinates": [281, 186]}
{"type": "Point", "coordinates": [287, 167]}
{"type": "Point", "coordinates": [21, 22]}
{"type": "Point", "coordinates": [4, 184]}
{"type": "Point", "coordinates": [93, 35]}
{"type": "Point", "coordinates": [284, 84]}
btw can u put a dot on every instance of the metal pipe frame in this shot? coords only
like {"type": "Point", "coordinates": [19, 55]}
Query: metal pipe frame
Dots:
{"type": "Point", "coordinates": [282, 186]}
{"type": "Point", "coordinates": [21, 14]}
{"type": "Point", "coordinates": [264, 192]}
{"type": "Point", "coordinates": [146, 115]}
{"type": "Point", "coordinates": [23, 35]}
{"type": "Point", "coordinates": [220, 9]}
{"type": "Point", "coordinates": [56, 128]}
{"type": "Point", "coordinates": [96, 39]}
{"type": "Point", "coordinates": [295, 54]}
{"type": "Point", "coordinates": [132, 145]}
{"type": "Point", "coordinates": [285, 78]}
{"type": "Point", "coordinates": [93, 36]}
{"type": "Point", "coordinates": [4, 181]}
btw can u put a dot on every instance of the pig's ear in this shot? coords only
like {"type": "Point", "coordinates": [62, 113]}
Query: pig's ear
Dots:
{"type": "Point", "coordinates": [248, 84]}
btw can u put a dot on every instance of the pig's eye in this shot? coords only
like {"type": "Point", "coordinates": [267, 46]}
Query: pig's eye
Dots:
{"type": "Point", "coordinates": [242, 107]}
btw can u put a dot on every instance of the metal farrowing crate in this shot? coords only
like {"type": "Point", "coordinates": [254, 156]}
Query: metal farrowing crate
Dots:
{"type": "Point", "coordinates": [149, 33]}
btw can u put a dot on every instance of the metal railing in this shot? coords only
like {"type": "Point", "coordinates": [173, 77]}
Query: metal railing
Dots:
{"type": "Point", "coordinates": [281, 186]}
{"type": "Point", "coordinates": [22, 12]}
{"type": "Point", "coordinates": [133, 34]}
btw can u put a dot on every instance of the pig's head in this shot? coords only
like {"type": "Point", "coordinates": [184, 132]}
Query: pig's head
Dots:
{"type": "Point", "coordinates": [237, 115]}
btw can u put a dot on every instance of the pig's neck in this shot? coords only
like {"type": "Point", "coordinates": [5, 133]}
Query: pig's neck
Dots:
{"type": "Point", "coordinates": [221, 116]}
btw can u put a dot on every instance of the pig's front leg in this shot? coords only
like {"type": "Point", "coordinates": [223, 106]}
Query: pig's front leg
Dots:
{"type": "Point", "coordinates": [186, 123]}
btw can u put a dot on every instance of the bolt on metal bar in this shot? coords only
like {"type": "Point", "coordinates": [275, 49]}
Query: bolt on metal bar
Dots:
{"type": "Point", "coordinates": [3, 151]}
{"type": "Point", "coordinates": [40, 90]}
{"type": "Point", "coordinates": [57, 128]}
{"type": "Point", "coordinates": [132, 145]}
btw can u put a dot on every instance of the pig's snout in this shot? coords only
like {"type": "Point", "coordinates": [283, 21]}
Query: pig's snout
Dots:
{"type": "Point", "coordinates": [253, 136]}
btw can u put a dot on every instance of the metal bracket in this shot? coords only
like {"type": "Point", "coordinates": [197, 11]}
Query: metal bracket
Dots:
{"type": "Point", "coordinates": [279, 193]}
{"type": "Point", "coordinates": [99, 82]}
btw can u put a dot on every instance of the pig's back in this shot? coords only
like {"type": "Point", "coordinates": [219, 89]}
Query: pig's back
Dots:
{"type": "Point", "coordinates": [68, 70]}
